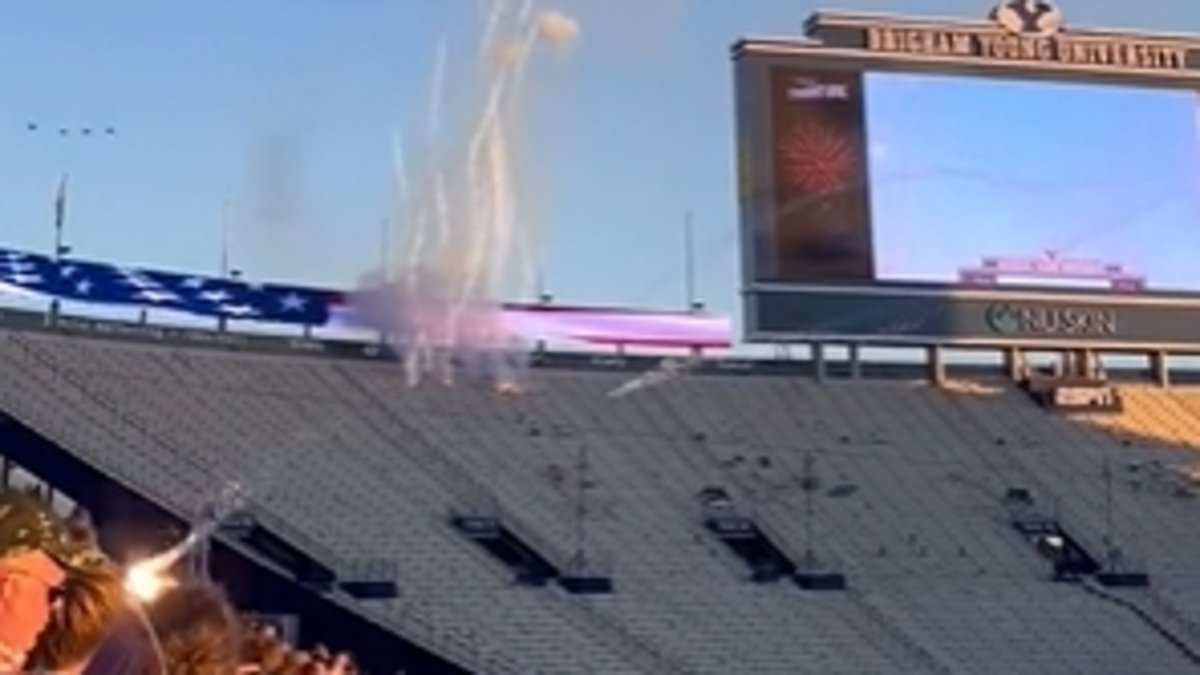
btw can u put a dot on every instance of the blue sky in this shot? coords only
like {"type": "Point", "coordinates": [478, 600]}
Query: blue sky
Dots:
{"type": "Point", "coordinates": [285, 108]}
{"type": "Point", "coordinates": [966, 168]}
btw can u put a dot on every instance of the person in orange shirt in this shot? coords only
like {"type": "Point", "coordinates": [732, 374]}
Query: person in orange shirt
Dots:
{"type": "Point", "coordinates": [38, 557]}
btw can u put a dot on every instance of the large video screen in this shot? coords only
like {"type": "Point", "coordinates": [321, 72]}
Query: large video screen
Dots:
{"type": "Point", "coordinates": [885, 177]}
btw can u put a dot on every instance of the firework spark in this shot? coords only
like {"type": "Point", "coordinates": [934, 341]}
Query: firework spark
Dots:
{"type": "Point", "coordinates": [816, 160]}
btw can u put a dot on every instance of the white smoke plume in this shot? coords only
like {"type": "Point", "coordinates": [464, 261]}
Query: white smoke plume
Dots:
{"type": "Point", "coordinates": [278, 185]}
{"type": "Point", "coordinates": [274, 216]}
{"type": "Point", "coordinates": [468, 245]}
{"type": "Point", "coordinates": [558, 28]}
{"type": "Point", "coordinates": [668, 369]}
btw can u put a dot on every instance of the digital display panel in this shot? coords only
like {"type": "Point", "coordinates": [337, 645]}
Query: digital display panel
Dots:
{"type": "Point", "coordinates": [822, 219]}
{"type": "Point", "coordinates": [923, 179]}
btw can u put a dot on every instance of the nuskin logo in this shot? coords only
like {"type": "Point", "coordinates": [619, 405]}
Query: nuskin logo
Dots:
{"type": "Point", "coordinates": [1004, 319]}
{"type": "Point", "coordinates": [1009, 319]}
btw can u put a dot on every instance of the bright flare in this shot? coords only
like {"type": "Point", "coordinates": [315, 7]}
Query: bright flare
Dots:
{"type": "Point", "coordinates": [147, 580]}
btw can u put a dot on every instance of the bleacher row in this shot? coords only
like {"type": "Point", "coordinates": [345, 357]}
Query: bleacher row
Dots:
{"type": "Point", "coordinates": [897, 485]}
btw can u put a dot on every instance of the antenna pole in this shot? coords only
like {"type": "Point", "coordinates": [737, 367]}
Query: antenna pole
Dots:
{"type": "Point", "coordinates": [60, 216]}
{"type": "Point", "coordinates": [809, 486]}
{"type": "Point", "coordinates": [689, 271]}
{"type": "Point", "coordinates": [223, 319]}
{"type": "Point", "coordinates": [225, 240]}
{"type": "Point", "coordinates": [1108, 521]}
{"type": "Point", "coordinates": [385, 250]}
{"type": "Point", "coordinates": [581, 483]}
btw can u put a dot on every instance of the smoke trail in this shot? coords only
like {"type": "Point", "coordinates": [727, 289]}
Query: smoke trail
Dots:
{"type": "Point", "coordinates": [400, 168]}
{"type": "Point", "coordinates": [468, 245]}
{"type": "Point", "coordinates": [491, 27]}
{"type": "Point", "coordinates": [277, 181]}
{"type": "Point", "coordinates": [525, 12]}
{"type": "Point", "coordinates": [275, 216]}
{"type": "Point", "coordinates": [439, 85]}
{"type": "Point", "coordinates": [668, 369]}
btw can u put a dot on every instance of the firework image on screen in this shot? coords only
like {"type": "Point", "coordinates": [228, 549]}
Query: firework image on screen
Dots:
{"type": "Point", "coordinates": [987, 182]}
{"type": "Point", "coordinates": [823, 228]}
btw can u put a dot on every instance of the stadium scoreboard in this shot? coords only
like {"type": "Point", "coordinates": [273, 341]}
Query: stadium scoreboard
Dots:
{"type": "Point", "coordinates": [996, 182]}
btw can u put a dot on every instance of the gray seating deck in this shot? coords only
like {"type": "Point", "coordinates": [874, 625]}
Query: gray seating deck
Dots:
{"type": "Point", "coordinates": [345, 453]}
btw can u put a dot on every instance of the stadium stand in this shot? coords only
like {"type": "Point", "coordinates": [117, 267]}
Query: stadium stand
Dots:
{"type": "Point", "coordinates": [904, 487]}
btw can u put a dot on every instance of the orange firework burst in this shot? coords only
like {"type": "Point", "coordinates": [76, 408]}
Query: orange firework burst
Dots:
{"type": "Point", "coordinates": [815, 159]}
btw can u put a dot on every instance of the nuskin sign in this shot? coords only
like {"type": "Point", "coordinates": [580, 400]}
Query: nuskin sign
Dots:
{"type": "Point", "coordinates": [783, 315]}
{"type": "Point", "coordinates": [1044, 320]}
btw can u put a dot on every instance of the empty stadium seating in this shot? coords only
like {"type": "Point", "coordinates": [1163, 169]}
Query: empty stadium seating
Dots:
{"type": "Point", "coordinates": [898, 485]}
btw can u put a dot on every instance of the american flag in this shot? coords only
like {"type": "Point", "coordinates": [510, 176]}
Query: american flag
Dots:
{"type": "Point", "coordinates": [86, 281]}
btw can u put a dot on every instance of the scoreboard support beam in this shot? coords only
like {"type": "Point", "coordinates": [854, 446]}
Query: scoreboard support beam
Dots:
{"type": "Point", "coordinates": [937, 364]}
{"type": "Point", "coordinates": [854, 354]}
{"type": "Point", "coordinates": [1083, 363]}
{"type": "Point", "coordinates": [818, 358]}
{"type": "Point", "coordinates": [1160, 366]}
{"type": "Point", "coordinates": [1014, 363]}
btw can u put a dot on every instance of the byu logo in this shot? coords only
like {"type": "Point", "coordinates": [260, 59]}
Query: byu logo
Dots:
{"type": "Point", "coordinates": [1029, 17]}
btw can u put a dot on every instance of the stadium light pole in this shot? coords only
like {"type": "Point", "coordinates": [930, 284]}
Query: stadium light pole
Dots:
{"type": "Point", "coordinates": [222, 320]}
{"type": "Point", "coordinates": [542, 296]}
{"type": "Point", "coordinates": [1109, 543]}
{"type": "Point", "coordinates": [227, 273]}
{"type": "Point", "coordinates": [809, 486]}
{"type": "Point", "coordinates": [225, 240]}
{"type": "Point", "coordinates": [539, 285]}
{"type": "Point", "coordinates": [385, 272]}
{"type": "Point", "coordinates": [689, 272]}
{"type": "Point", "coordinates": [60, 200]}
{"type": "Point", "coordinates": [582, 482]}
{"type": "Point", "coordinates": [60, 217]}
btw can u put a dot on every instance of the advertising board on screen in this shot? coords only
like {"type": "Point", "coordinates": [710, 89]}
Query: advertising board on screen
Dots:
{"type": "Point", "coordinates": [913, 180]}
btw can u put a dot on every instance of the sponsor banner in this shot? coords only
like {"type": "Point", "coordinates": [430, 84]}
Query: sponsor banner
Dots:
{"type": "Point", "coordinates": [1031, 32]}
{"type": "Point", "coordinates": [1084, 398]}
{"type": "Point", "coordinates": [831, 314]}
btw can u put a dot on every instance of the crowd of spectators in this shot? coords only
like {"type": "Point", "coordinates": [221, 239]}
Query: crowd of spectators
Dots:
{"type": "Point", "coordinates": [64, 609]}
